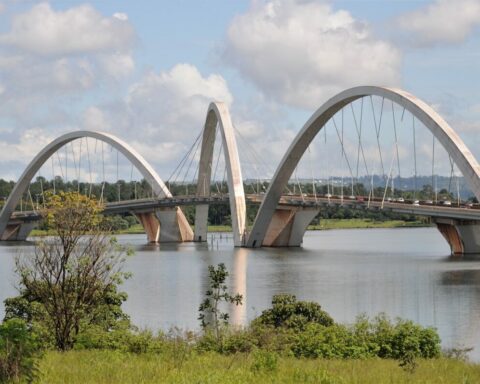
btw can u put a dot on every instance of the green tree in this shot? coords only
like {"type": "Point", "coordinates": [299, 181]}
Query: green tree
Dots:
{"type": "Point", "coordinates": [70, 281]}
{"type": "Point", "coordinates": [210, 312]}
{"type": "Point", "coordinates": [289, 313]}
{"type": "Point", "coordinates": [19, 351]}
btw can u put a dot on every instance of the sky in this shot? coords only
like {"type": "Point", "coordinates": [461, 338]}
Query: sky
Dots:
{"type": "Point", "coordinates": [147, 70]}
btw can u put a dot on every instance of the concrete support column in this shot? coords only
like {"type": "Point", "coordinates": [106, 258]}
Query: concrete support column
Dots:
{"type": "Point", "coordinates": [201, 223]}
{"type": "Point", "coordinates": [150, 224]}
{"type": "Point", "coordinates": [462, 236]}
{"type": "Point", "coordinates": [18, 231]}
{"type": "Point", "coordinates": [174, 227]}
{"type": "Point", "coordinates": [288, 227]}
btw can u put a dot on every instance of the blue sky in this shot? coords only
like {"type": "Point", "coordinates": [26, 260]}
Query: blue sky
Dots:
{"type": "Point", "coordinates": [146, 70]}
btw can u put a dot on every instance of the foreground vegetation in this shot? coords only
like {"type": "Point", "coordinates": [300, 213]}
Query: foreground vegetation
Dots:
{"type": "Point", "coordinates": [175, 366]}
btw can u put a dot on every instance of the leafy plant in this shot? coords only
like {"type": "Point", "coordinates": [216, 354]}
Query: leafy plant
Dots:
{"type": "Point", "coordinates": [70, 281]}
{"type": "Point", "coordinates": [19, 351]}
{"type": "Point", "coordinates": [210, 312]}
{"type": "Point", "coordinates": [287, 312]}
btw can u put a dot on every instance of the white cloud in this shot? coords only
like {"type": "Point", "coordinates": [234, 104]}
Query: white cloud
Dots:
{"type": "Point", "coordinates": [28, 144]}
{"type": "Point", "coordinates": [302, 52]}
{"type": "Point", "coordinates": [172, 105]}
{"type": "Point", "coordinates": [162, 113]}
{"type": "Point", "coordinates": [44, 31]}
{"type": "Point", "coordinates": [121, 16]}
{"type": "Point", "coordinates": [94, 120]}
{"type": "Point", "coordinates": [49, 57]}
{"type": "Point", "coordinates": [442, 21]}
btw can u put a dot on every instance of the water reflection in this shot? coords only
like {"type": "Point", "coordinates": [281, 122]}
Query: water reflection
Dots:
{"type": "Point", "coordinates": [238, 313]}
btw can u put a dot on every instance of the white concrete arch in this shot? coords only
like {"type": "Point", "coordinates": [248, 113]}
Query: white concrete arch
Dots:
{"type": "Point", "coordinates": [217, 114]}
{"type": "Point", "coordinates": [131, 154]}
{"type": "Point", "coordinates": [452, 143]}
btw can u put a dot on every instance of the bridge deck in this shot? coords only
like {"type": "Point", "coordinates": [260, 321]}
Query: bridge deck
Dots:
{"type": "Point", "coordinates": [286, 201]}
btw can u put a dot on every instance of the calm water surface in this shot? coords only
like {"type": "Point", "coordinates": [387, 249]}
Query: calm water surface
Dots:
{"type": "Point", "coordinates": [402, 272]}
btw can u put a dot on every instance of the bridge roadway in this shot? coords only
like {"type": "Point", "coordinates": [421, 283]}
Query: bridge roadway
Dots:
{"type": "Point", "coordinates": [459, 225]}
{"type": "Point", "coordinates": [286, 201]}
{"type": "Point", "coordinates": [309, 201]}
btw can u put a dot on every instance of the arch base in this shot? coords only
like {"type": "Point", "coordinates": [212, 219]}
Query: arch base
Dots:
{"type": "Point", "coordinates": [165, 225]}
{"type": "Point", "coordinates": [150, 224]}
{"type": "Point", "coordinates": [174, 227]}
{"type": "Point", "coordinates": [18, 231]}
{"type": "Point", "coordinates": [462, 236]}
{"type": "Point", "coordinates": [288, 226]}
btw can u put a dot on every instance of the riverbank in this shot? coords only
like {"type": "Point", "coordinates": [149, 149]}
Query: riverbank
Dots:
{"type": "Point", "coordinates": [188, 367]}
{"type": "Point", "coordinates": [324, 224]}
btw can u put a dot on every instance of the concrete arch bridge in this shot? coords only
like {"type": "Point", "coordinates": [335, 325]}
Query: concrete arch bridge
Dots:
{"type": "Point", "coordinates": [282, 219]}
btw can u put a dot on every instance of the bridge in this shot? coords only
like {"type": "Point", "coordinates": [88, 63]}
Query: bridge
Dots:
{"type": "Point", "coordinates": [283, 217]}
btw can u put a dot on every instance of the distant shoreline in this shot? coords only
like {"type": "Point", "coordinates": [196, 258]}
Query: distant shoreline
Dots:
{"type": "Point", "coordinates": [325, 224]}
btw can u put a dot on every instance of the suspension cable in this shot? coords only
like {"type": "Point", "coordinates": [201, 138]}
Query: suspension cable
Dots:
{"type": "Point", "coordinates": [53, 175]}
{"type": "Point", "coordinates": [396, 141]}
{"type": "Point", "coordinates": [183, 160]}
{"type": "Point", "coordinates": [377, 132]}
{"type": "Point", "coordinates": [89, 169]}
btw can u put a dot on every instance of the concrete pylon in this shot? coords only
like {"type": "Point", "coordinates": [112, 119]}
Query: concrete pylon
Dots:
{"type": "Point", "coordinates": [462, 236]}
{"type": "Point", "coordinates": [288, 227]}
{"type": "Point", "coordinates": [218, 114]}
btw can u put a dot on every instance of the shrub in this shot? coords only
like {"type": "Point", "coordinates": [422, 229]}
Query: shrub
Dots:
{"type": "Point", "coordinates": [334, 342]}
{"type": "Point", "coordinates": [19, 351]}
{"type": "Point", "coordinates": [264, 361]}
{"type": "Point", "coordinates": [404, 338]}
{"type": "Point", "coordinates": [287, 312]}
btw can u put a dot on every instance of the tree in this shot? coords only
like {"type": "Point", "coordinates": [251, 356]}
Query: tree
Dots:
{"type": "Point", "coordinates": [70, 280]}
{"type": "Point", "coordinates": [289, 313]}
{"type": "Point", "coordinates": [217, 293]}
{"type": "Point", "coordinates": [19, 352]}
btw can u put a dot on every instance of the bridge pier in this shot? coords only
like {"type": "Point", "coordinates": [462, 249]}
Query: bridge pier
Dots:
{"type": "Point", "coordinates": [463, 236]}
{"type": "Point", "coordinates": [18, 230]}
{"type": "Point", "coordinates": [150, 224]}
{"type": "Point", "coordinates": [288, 225]}
{"type": "Point", "coordinates": [201, 223]}
{"type": "Point", "coordinates": [174, 227]}
{"type": "Point", "coordinates": [165, 225]}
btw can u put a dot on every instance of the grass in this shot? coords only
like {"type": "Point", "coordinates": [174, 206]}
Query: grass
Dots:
{"type": "Point", "coordinates": [324, 224]}
{"type": "Point", "coordinates": [363, 223]}
{"type": "Point", "coordinates": [119, 367]}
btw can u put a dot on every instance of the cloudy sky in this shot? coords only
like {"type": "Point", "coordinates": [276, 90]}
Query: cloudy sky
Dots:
{"type": "Point", "coordinates": [147, 70]}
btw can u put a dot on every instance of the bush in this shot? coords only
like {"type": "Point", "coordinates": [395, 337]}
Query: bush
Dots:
{"type": "Point", "coordinates": [287, 312]}
{"type": "Point", "coordinates": [305, 330]}
{"type": "Point", "coordinates": [335, 342]}
{"type": "Point", "coordinates": [404, 338]}
{"type": "Point", "coordinates": [264, 361]}
{"type": "Point", "coordinates": [19, 351]}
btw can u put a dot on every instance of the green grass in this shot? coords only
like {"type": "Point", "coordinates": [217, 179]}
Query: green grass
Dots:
{"type": "Point", "coordinates": [324, 224]}
{"type": "Point", "coordinates": [177, 367]}
{"type": "Point", "coordinates": [363, 223]}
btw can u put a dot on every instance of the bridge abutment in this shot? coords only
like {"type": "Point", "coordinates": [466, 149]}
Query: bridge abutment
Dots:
{"type": "Point", "coordinates": [288, 226]}
{"type": "Point", "coordinates": [463, 236]}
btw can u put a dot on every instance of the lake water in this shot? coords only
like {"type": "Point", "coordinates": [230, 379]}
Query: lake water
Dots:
{"type": "Point", "coordinates": [402, 272]}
